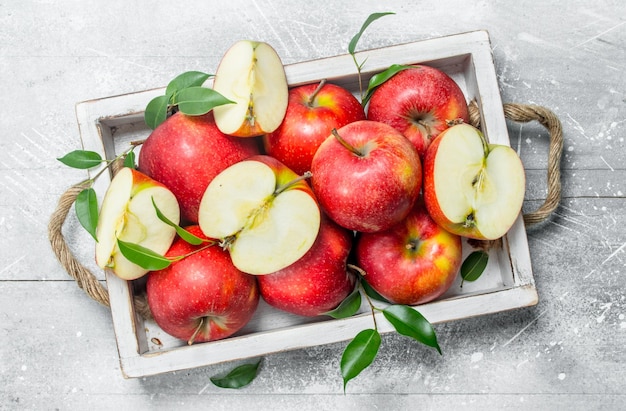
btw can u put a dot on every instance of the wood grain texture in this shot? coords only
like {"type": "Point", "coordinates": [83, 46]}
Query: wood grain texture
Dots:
{"type": "Point", "coordinates": [58, 347]}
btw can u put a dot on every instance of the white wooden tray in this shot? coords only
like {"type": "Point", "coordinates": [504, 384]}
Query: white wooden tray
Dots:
{"type": "Point", "coordinates": [107, 126]}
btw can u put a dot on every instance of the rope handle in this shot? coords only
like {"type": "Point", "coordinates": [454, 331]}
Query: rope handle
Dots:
{"type": "Point", "coordinates": [87, 281]}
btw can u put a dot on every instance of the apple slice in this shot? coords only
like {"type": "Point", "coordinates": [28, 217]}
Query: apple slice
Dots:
{"type": "Point", "coordinates": [263, 212]}
{"type": "Point", "coordinates": [127, 213]}
{"type": "Point", "coordinates": [473, 188]}
{"type": "Point", "coordinates": [252, 75]}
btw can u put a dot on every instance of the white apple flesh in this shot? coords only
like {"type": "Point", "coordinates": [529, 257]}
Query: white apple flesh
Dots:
{"type": "Point", "coordinates": [127, 213]}
{"type": "Point", "coordinates": [252, 75]}
{"type": "Point", "coordinates": [264, 213]}
{"type": "Point", "coordinates": [473, 188]}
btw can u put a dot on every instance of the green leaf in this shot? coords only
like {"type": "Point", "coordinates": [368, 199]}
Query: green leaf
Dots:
{"type": "Point", "coordinates": [474, 265]}
{"type": "Point", "coordinates": [407, 321]}
{"type": "Point", "coordinates": [372, 17]}
{"type": "Point", "coordinates": [349, 306]}
{"type": "Point", "coordinates": [81, 159]}
{"type": "Point", "coordinates": [182, 233]}
{"type": "Point", "coordinates": [369, 290]}
{"type": "Point", "coordinates": [129, 160]}
{"type": "Point", "coordinates": [185, 80]}
{"type": "Point", "coordinates": [239, 377]}
{"type": "Point", "coordinates": [156, 111]}
{"type": "Point", "coordinates": [196, 101]}
{"type": "Point", "coordinates": [142, 256]}
{"type": "Point", "coordinates": [378, 79]}
{"type": "Point", "coordinates": [86, 207]}
{"type": "Point", "coordinates": [359, 354]}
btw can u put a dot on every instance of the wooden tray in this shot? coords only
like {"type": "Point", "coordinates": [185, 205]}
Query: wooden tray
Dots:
{"type": "Point", "coordinates": [107, 126]}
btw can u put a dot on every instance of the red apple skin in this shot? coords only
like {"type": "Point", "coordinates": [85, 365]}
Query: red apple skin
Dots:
{"type": "Point", "coordinates": [204, 285]}
{"type": "Point", "coordinates": [307, 123]}
{"type": "Point", "coordinates": [186, 152]}
{"type": "Point", "coordinates": [412, 263]}
{"type": "Point", "coordinates": [419, 102]}
{"type": "Point", "coordinates": [319, 281]}
{"type": "Point", "coordinates": [372, 192]}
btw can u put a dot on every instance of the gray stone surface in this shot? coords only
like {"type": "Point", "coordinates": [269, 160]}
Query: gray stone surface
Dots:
{"type": "Point", "coordinates": [57, 347]}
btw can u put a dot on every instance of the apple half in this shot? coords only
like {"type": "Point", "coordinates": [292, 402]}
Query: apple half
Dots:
{"type": "Point", "coordinates": [127, 213]}
{"type": "Point", "coordinates": [473, 188]}
{"type": "Point", "coordinates": [251, 74]}
{"type": "Point", "coordinates": [264, 214]}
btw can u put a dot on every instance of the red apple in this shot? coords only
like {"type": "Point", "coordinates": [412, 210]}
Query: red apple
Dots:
{"type": "Point", "coordinates": [201, 297]}
{"type": "Point", "coordinates": [366, 176]}
{"type": "Point", "coordinates": [319, 281]}
{"type": "Point", "coordinates": [414, 262]}
{"type": "Point", "coordinates": [313, 111]}
{"type": "Point", "coordinates": [128, 214]}
{"type": "Point", "coordinates": [473, 188]}
{"type": "Point", "coordinates": [251, 74]}
{"type": "Point", "coordinates": [186, 152]}
{"type": "Point", "coordinates": [262, 212]}
{"type": "Point", "coordinates": [420, 102]}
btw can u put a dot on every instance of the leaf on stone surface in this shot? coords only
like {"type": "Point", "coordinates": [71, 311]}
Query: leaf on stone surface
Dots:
{"type": "Point", "coordinates": [474, 265]}
{"type": "Point", "coordinates": [81, 159]}
{"type": "Point", "coordinates": [142, 256]}
{"type": "Point", "coordinates": [371, 18]}
{"type": "Point", "coordinates": [156, 111]}
{"type": "Point", "coordinates": [359, 354]}
{"type": "Point", "coordinates": [409, 322]}
{"type": "Point", "coordinates": [86, 208]}
{"type": "Point", "coordinates": [349, 306]}
{"type": "Point", "coordinates": [238, 377]}
{"type": "Point", "coordinates": [182, 233]}
{"type": "Point", "coordinates": [196, 101]}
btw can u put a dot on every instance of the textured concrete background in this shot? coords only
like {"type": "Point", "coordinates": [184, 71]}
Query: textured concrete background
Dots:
{"type": "Point", "coordinates": [58, 348]}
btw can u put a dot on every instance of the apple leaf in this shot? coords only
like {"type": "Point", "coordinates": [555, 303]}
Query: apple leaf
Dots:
{"type": "Point", "coordinates": [238, 377]}
{"type": "Point", "coordinates": [156, 111]}
{"type": "Point", "coordinates": [81, 159]}
{"type": "Point", "coordinates": [142, 256]}
{"type": "Point", "coordinates": [182, 233]}
{"type": "Point", "coordinates": [407, 321]}
{"type": "Point", "coordinates": [129, 160]}
{"type": "Point", "coordinates": [359, 354]}
{"type": "Point", "coordinates": [349, 306]}
{"type": "Point", "coordinates": [185, 80]}
{"type": "Point", "coordinates": [378, 79]}
{"type": "Point", "coordinates": [369, 290]}
{"type": "Point", "coordinates": [474, 265]}
{"type": "Point", "coordinates": [86, 207]}
{"type": "Point", "coordinates": [372, 17]}
{"type": "Point", "coordinates": [199, 100]}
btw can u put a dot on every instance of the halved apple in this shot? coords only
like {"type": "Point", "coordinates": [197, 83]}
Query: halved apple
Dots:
{"type": "Point", "coordinates": [127, 213]}
{"type": "Point", "coordinates": [252, 75]}
{"type": "Point", "coordinates": [265, 215]}
{"type": "Point", "coordinates": [473, 188]}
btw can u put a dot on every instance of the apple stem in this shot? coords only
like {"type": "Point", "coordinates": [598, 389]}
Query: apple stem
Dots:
{"type": "Point", "coordinates": [293, 182]}
{"type": "Point", "coordinates": [312, 97]}
{"type": "Point", "coordinates": [344, 143]}
{"type": "Point", "coordinates": [196, 331]}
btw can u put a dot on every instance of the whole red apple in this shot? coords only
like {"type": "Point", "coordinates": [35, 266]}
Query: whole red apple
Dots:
{"type": "Point", "coordinates": [201, 297]}
{"type": "Point", "coordinates": [186, 152]}
{"type": "Point", "coordinates": [312, 112]}
{"type": "Point", "coordinates": [420, 102]}
{"type": "Point", "coordinates": [366, 176]}
{"type": "Point", "coordinates": [414, 262]}
{"type": "Point", "coordinates": [319, 281]}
